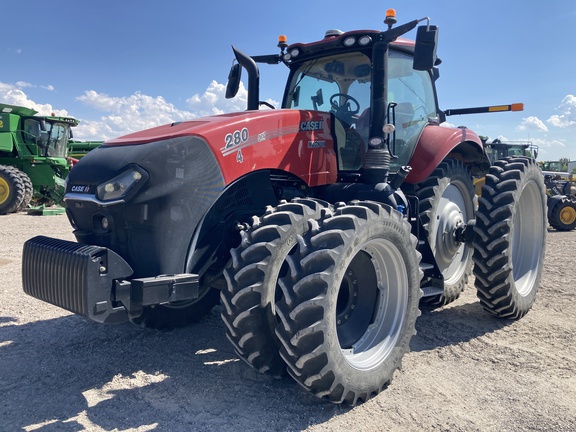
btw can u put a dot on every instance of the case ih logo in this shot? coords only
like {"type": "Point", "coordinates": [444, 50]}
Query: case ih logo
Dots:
{"type": "Point", "coordinates": [80, 189]}
{"type": "Point", "coordinates": [311, 125]}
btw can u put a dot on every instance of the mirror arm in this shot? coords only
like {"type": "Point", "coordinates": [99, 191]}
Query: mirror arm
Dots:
{"type": "Point", "coordinates": [253, 78]}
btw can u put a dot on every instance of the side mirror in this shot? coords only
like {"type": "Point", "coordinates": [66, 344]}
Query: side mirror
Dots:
{"type": "Point", "coordinates": [425, 48]}
{"type": "Point", "coordinates": [317, 100]}
{"type": "Point", "coordinates": [43, 125]}
{"type": "Point", "coordinates": [296, 97]}
{"type": "Point", "coordinates": [233, 81]}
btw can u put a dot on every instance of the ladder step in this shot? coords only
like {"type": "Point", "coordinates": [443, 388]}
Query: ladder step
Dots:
{"type": "Point", "coordinates": [429, 291]}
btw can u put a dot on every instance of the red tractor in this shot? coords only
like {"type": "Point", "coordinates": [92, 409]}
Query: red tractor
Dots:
{"type": "Point", "coordinates": [321, 227]}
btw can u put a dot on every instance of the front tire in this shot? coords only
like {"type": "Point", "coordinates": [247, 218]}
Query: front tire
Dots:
{"type": "Point", "coordinates": [350, 304]}
{"type": "Point", "coordinates": [257, 263]}
{"type": "Point", "coordinates": [510, 237]}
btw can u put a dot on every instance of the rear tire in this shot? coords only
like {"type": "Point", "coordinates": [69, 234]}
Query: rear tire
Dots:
{"type": "Point", "coordinates": [447, 200]}
{"type": "Point", "coordinates": [350, 303]}
{"type": "Point", "coordinates": [510, 237]}
{"type": "Point", "coordinates": [28, 191]}
{"type": "Point", "coordinates": [251, 294]}
{"type": "Point", "coordinates": [12, 189]}
{"type": "Point", "coordinates": [563, 215]}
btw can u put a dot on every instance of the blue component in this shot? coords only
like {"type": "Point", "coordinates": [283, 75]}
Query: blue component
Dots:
{"type": "Point", "coordinates": [401, 208]}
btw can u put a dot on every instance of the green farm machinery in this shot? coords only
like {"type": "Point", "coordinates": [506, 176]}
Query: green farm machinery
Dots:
{"type": "Point", "coordinates": [34, 159]}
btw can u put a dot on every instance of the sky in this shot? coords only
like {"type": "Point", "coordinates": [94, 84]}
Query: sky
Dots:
{"type": "Point", "coordinates": [121, 66]}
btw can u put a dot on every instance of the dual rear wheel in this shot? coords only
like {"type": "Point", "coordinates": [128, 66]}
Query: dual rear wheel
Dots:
{"type": "Point", "coordinates": [330, 295]}
{"type": "Point", "coordinates": [333, 294]}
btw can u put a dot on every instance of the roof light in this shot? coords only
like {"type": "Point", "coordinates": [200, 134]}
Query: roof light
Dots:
{"type": "Point", "coordinates": [295, 52]}
{"type": "Point", "coordinates": [282, 41]}
{"type": "Point", "coordinates": [365, 40]}
{"type": "Point", "coordinates": [390, 18]}
{"type": "Point", "coordinates": [349, 41]}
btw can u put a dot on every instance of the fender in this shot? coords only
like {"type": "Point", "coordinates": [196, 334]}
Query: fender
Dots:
{"type": "Point", "coordinates": [436, 143]}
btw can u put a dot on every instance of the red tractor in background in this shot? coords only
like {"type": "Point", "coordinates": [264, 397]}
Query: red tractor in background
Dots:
{"type": "Point", "coordinates": [321, 226]}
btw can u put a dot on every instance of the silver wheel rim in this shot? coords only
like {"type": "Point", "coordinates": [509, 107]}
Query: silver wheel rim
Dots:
{"type": "Point", "coordinates": [454, 210]}
{"type": "Point", "coordinates": [381, 335]}
{"type": "Point", "coordinates": [527, 238]}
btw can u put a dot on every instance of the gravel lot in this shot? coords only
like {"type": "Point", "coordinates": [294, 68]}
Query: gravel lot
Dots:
{"type": "Point", "coordinates": [467, 371]}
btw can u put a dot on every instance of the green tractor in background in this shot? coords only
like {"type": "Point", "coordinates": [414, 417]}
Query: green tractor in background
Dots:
{"type": "Point", "coordinates": [558, 178]}
{"type": "Point", "coordinates": [34, 159]}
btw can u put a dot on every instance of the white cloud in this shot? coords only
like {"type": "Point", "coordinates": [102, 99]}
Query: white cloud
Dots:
{"type": "Point", "coordinates": [121, 115]}
{"type": "Point", "coordinates": [213, 101]}
{"type": "Point", "coordinates": [532, 123]}
{"type": "Point", "coordinates": [547, 143]}
{"type": "Point", "coordinates": [13, 95]}
{"type": "Point", "coordinates": [567, 116]}
{"type": "Point", "coordinates": [126, 114]}
{"type": "Point", "coordinates": [23, 84]}
{"type": "Point", "coordinates": [139, 111]}
{"type": "Point", "coordinates": [48, 87]}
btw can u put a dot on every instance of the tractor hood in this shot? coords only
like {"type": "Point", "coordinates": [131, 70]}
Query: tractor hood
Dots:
{"type": "Point", "coordinates": [295, 141]}
{"type": "Point", "coordinates": [154, 187]}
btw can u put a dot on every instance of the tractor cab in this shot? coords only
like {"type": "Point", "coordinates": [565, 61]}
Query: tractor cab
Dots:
{"type": "Point", "coordinates": [498, 149]}
{"type": "Point", "coordinates": [341, 84]}
{"type": "Point", "coordinates": [377, 86]}
{"type": "Point", "coordinates": [50, 136]}
{"type": "Point", "coordinates": [30, 135]}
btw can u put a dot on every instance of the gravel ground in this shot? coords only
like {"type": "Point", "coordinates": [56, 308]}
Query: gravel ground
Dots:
{"type": "Point", "coordinates": [467, 371]}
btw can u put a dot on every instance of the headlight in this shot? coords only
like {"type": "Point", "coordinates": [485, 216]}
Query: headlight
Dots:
{"type": "Point", "coordinates": [118, 187]}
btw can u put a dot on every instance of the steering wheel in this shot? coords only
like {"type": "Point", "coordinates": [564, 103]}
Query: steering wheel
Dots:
{"type": "Point", "coordinates": [344, 112]}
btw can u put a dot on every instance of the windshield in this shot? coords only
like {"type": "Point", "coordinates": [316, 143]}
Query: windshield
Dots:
{"type": "Point", "coordinates": [322, 84]}
{"type": "Point", "coordinates": [554, 166]}
{"type": "Point", "coordinates": [51, 142]}
{"type": "Point", "coordinates": [341, 84]}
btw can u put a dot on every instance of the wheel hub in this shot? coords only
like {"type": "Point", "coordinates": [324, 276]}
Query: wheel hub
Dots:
{"type": "Point", "coordinates": [567, 215]}
{"type": "Point", "coordinates": [355, 307]}
{"type": "Point", "coordinates": [451, 221]}
{"type": "Point", "coordinates": [4, 190]}
{"type": "Point", "coordinates": [347, 298]}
